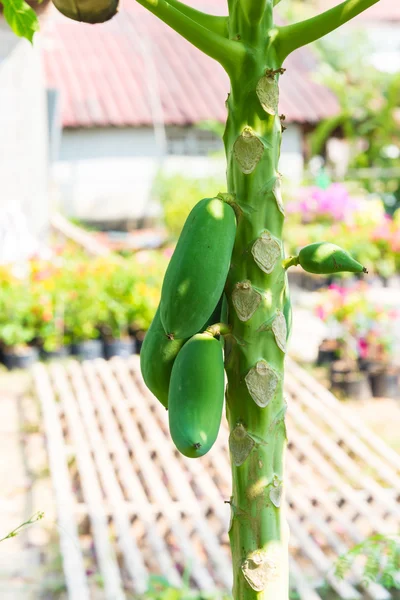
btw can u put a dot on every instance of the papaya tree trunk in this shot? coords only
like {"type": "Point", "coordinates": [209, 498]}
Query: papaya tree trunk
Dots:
{"type": "Point", "coordinates": [258, 301]}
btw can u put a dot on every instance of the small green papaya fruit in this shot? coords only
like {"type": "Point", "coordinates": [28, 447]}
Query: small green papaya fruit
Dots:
{"type": "Point", "coordinates": [87, 11]}
{"type": "Point", "coordinates": [158, 353]}
{"type": "Point", "coordinates": [197, 272]}
{"type": "Point", "coordinates": [325, 258]}
{"type": "Point", "coordinates": [157, 357]}
{"type": "Point", "coordinates": [196, 395]}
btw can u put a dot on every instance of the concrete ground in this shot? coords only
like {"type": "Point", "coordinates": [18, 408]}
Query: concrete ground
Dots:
{"type": "Point", "coordinates": [30, 567]}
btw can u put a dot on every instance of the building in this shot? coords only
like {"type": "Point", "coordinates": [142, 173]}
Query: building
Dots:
{"type": "Point", "coordinates": [24, 199]}
{"type": "Point", "coordinates": [131, 94]}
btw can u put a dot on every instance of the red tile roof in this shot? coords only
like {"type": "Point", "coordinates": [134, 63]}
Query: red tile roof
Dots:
{"type": "Point", "coordinates": [108, 73]}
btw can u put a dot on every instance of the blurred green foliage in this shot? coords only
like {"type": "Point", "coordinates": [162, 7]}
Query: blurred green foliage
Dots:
{"type": "Point", "coordinates": [381, 561]}
{"type": "Point", "coordinates": [160, 589]}
{"type": "Point", "coordinates": [368, 97]}
{"type": "Point", "coordinates": [178, 194]}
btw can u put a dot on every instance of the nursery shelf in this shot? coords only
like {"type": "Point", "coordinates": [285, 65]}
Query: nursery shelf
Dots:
{"type": "Point", "coordinates": [130, 506]}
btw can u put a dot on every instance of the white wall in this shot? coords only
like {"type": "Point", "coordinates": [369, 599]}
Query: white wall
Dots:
{"type": "Point", "coordinates": [385, 38]}
{"type": "Point", "coordinates": [292, 162]}
{"type": "Point", "coordinates": [107, 174]}
{"type": "Point", "coordinates": [82, 144]}
{"type": "Point", "coordinates": [23, 140]}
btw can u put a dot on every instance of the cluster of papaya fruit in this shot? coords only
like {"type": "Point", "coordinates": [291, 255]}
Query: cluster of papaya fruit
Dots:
{"type": "Point", "coordinates": [181, 361]}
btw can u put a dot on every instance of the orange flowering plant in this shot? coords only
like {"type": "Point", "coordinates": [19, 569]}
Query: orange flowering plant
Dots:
{"type": "Point", "coordinates": [72, 298]}
{"type": "Point", "coordinates": [17, 317]}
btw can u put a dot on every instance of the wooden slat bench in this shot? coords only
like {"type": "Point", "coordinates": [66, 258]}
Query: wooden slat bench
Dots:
{"type": "Point", "coordinates": [149, 511]}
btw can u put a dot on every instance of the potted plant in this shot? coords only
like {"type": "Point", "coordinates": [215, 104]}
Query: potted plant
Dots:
{"type": "Point", "coordinates": [117, 300]}
{"type": "Point", "coordinates": [379, 351]}
{"type": "Point", "coordinates": [150, 269]}
{"type": "Point", "coordinates": [51, 328]}
{"type": "Point", "coordinates": [17, 326]}
{"type": "Point", "coordinates": [327, 351]}
{"type": "Point", "coordinates": [345, 374]}
{"type": "Point", "coordinates": [341, 308]}
{"type": "Point", "coordinates": [46, 288]}
{"type": "Point", "coordinates": [142, 314]}
{"type": "Point", "coordinates": [82, 311]}
{"type": "Point", "coordinates": [367, 334]}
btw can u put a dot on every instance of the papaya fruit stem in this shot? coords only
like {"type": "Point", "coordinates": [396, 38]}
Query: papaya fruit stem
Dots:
{"type": "Point", "coordinates": [231, 200]}
{"type": "Point", "coordinates": [219, 329]}
{"type": "Point", "coordinates": [292, 261]}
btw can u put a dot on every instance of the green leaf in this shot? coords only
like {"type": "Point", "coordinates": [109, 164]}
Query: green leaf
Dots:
{"type": "Point", "coordinates": [324, 130]}
{"type": "Point", "coordinates": [21, 18]}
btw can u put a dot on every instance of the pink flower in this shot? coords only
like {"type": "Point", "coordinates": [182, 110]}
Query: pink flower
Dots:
{"type": "Point", "coordinates": [382, 231]}
{"type": "Point", "coordinates": [363, 347]}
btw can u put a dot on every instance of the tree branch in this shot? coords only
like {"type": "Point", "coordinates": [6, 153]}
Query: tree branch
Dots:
{"type": "Point", "coordinates": [294, 36]}
{"type": "Point", "coordinates": [214, 23]}
{"type": "Point", "coordinates": [225, 51]}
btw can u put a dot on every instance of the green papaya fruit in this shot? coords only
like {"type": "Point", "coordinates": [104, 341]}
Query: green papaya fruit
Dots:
{"type": "Point", "coordinates": [87, 11]}
{"type": "Point", "coordinates": [198, 269]}
{"type": "Point", "coordinates": [157, 357]}
{"type": "Point", "coordinates": [196, 395]}
{"type": "Point", "coordinates": [158, 353]}
{"type": "Point", "coordinates": [325, 258]}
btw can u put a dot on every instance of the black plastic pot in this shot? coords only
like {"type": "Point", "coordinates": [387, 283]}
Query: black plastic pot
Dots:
{"type": "Point", "coordinates": [364, 364]}
{"type": "Point", "coordinates": [354, 385]}
{"type": "Point", "coordinates": [20, 360]}
{"type": "Point", "coordinates": [312, 283]}
{"type": "Point", "coordinates": [88, 350]}
{"type": "Point", "coordinates": [55, 354]}
{"type": "Point", "coordinates": [122, 348]}
{"type": "Point", "coordinates": [295, 277]}
{"type": "Point", "coordinates": [384, 384]}
{"type": "Point", "coordinates": [341, 368]}
{"type": "Point", "coordinates": [327, 352]}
